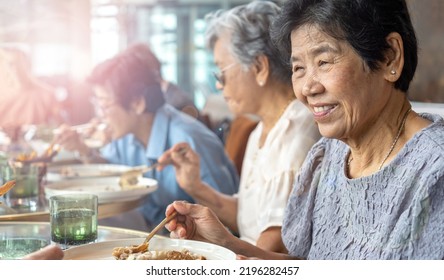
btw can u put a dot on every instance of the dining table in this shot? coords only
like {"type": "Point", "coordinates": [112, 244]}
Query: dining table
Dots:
{"type": "Point", "coordinates": [20, 238]}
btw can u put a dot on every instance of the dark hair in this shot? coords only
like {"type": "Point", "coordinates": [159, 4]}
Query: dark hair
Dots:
{"type": "Point", "coordinates": [144, 52]}
{"type": "Point", "coordinates": [129, 76]}
{"type": "Point", "coordinates": [364, 24]}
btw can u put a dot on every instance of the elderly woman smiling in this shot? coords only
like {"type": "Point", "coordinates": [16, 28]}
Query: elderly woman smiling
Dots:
{"type": "Point", "coordinates": [373, 188]}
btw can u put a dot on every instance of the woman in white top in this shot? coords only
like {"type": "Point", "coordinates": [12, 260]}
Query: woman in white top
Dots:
{"type": "Point", "coordinates": [254, 81]}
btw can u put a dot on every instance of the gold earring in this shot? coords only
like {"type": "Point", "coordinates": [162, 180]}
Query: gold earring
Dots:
{"type": "Point", "coordinates": [393, 72]}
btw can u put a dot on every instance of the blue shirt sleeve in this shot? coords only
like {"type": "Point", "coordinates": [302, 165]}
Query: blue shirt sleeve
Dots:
{"type": "Point", "coordinates": [217, 169]}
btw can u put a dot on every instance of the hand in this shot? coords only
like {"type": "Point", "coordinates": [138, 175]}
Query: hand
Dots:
{"type": "Point", "coordinates": [186, 163]}
{"type": "Point", "coordinates": [51, 252]}
{"type": "Point", "coordinates": [89, 131]}
{"type": "Point", "coordinates": [70, 140]}
{"type": "Point", "coordinates": [98, 131]}
{"type": "Point", "coordinates": [197, 222]}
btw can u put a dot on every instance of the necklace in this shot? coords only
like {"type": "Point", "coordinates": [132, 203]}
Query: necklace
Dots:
{"type": "Point", "coordinates": [401, 128]}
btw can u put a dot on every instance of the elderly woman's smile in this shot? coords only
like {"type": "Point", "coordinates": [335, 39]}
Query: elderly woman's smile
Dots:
{"type": "Point", "coordinates": [322, 110]}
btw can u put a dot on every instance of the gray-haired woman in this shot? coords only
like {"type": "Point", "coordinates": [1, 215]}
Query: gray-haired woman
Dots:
{"type": "Point", "coordinates": [255, 81]}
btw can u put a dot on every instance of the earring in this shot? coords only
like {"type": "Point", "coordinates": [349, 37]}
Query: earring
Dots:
{"type": "Point", "coordinates": [393, 72]}
{"type": "Point", "coordinates": [261, 83]}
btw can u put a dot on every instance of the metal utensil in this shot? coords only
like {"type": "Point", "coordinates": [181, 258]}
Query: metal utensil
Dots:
{"type": "Point", "coordinates": [129, 178]}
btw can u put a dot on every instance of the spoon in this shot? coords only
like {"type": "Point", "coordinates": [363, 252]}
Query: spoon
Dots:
{"type": "Point", "coordinates": [129, 178]}
{"type": "Point", "coordinates": [144, 246]}
{"type": "Point", "coordinates": [6, 187]}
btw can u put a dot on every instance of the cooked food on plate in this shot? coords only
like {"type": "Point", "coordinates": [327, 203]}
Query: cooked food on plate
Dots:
{"type": "Point", "coordinates": [128, 182]}
{"type": "Point", "coordinates": [129, 253]}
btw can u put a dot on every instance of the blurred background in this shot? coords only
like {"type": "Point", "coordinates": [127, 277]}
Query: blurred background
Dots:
{"type": "Point", "coordinates": [63, 40]}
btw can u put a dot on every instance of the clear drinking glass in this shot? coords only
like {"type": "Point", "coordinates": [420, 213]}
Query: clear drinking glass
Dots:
{"type": "Point", "coordinates": [18, 239]}
{"type": "Point", "coordinates": [73, 219]}
{"type": "Point", "coordinates": [25, 193]}
{"type": "Point", "coordinates": [16, 248]}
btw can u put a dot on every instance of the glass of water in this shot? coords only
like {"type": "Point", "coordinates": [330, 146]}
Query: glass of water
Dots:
{"type": "Point", "coordinates": [25, 193]}
{"type": "Point", "coordinates": [16, 248]}
{"type": "Point", "coordinates": [73, 219]}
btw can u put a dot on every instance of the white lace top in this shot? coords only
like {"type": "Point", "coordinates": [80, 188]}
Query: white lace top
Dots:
{"type": "Point", "coordinates": [268, 173]}
{"type": "Point", "coordinates": [395, 213]}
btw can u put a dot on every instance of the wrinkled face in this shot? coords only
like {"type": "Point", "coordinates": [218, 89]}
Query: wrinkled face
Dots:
{"type": "Point", "coordinates": [239, 86]}
{"type": "Point", "coordinates": [334, 83]}
{"type": "Point", "coordinates": [119, 120]}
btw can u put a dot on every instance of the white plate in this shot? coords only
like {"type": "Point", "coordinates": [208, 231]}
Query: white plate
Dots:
{"type": "Point", "coordinates": [107, 188]}
{"type": "Point", "coordinates": [77, 171]}
{"type": "Point", "coordinates": [103, 250]}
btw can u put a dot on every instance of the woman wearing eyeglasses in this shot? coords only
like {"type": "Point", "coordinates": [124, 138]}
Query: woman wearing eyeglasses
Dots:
{"type": "Point", "coordinates": [254, 81]}
{"type": "Point", "coordinates": [143, 126]}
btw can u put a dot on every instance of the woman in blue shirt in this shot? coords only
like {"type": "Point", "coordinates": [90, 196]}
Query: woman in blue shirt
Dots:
{"type": "Point", "coordinates": [128, 92]}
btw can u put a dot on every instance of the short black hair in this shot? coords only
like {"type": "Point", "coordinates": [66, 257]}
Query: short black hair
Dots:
{"type": "Point", "coordinates": [144, 52]}
{"type": "Point", "coordinates": [364, 24]}
{"type": "Point", "coordinates": [130, 77]}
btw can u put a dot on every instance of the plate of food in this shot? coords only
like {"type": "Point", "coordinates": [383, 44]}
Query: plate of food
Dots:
{"type": "Point", "coordinates": [108, 189]}
{"type": "Point", "coordinates": [77, 171]}
{"type": "Point", "coordinates": [160, 248]}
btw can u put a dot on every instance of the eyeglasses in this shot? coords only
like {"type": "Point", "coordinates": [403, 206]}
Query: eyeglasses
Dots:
{"type": "Point", "coordinates": [101, 103]}
{"type": "Point", "coordinates": [220, 77]}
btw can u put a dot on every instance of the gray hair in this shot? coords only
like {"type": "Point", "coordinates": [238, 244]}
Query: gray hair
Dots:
{"type": "Point", "coordinates": [249, 27]}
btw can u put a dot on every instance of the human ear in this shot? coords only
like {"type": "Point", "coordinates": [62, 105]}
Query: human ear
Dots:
{"type": "Point", "coordinates": [138, 105]}
{"type": "Point", "coordinates": [261, 69]}
{"type": "Point", "coordinates": [394, 57]}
